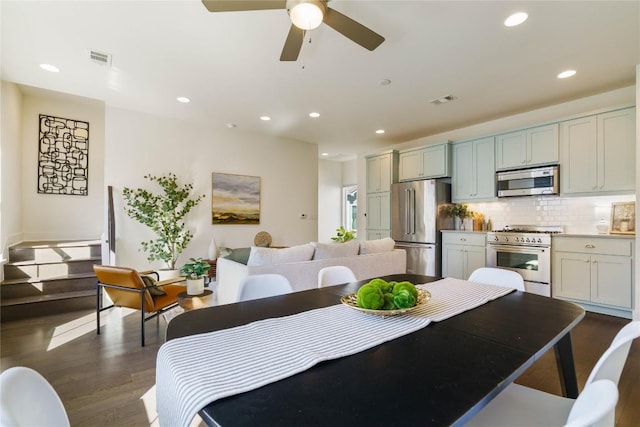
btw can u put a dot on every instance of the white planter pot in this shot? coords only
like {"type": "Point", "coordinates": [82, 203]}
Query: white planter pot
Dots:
{"type": "Point", "coordinates": [195, 286]}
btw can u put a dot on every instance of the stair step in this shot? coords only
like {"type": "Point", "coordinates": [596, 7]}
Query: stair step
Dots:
{"type": "Point", "coordinates": [30, 270]}
{"type": "Point", "coordinates": [19, 288]}
{"type": "Point", "coordinates": [45, 252]}
{"type": "Point", "coordinates": [47, 297]}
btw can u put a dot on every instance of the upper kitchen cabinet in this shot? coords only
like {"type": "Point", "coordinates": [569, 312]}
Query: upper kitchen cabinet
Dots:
{"type": "Point", "coordinates": [598, 153]}
{"type": "Point", "coordinates": [474, 170]}
{"type": "Point", "coordinates": [429, 162]}
{"type": "Point", "coordinates": [381, 171]}
{"type": "Point", "coordinates": [527, 147]}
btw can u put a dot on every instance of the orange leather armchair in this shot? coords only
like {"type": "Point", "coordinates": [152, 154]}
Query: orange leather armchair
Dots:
{"type": "Point", "coordinates": [126, 289]}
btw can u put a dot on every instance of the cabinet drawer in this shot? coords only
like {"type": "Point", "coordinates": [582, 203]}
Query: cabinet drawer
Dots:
{"type": "Point", "coordinates": [605, 246]}
{"type": "Point", "coordinates": [471, 239]}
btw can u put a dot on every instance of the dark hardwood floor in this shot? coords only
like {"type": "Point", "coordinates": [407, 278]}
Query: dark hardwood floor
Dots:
{"type": "Point", "coordinates": [108, 379]}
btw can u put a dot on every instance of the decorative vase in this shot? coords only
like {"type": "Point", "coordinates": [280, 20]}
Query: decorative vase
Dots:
{"type": "Point", "coordinates": [462, 226]}
{"type": "Point", "coordinates": [213, 249]}
{"type": "Point", "coordinates": [195, 286]}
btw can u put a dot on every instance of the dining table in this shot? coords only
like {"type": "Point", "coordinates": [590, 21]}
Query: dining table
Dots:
{"type": "Point", "coordinates": [438, 375]}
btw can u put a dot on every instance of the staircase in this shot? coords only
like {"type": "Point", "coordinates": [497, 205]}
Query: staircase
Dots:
{"type": "Point", "coordinates": [49, 277]}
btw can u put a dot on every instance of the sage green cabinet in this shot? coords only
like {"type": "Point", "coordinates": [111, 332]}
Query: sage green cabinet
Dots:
{"type": "Point", "coordinates": [528, 147]}
{"type": "Point", "coordinates": [382, 171]}
{"type": "Point", "coordinates": [595, 271]}
{"type": "Point", "coordinates": [462, 253]}
{"type": "Point", "coordinates": [474, 170]}
{"type": "Point", "coordinates": [598, 153]}
{"type": "Point", "coordinates": [429, 162]}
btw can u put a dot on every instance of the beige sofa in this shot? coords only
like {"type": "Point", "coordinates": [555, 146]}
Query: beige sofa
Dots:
{"type": "Point", "coordinates": [301, 264]}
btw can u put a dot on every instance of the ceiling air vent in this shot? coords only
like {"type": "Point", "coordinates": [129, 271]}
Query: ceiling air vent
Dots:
{"type": "Point", "coordinates": [442, 100]}
{"type": "Point", "coordinates": [99, 57]}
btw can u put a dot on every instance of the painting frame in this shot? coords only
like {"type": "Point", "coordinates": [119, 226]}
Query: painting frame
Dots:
{"type": "Point", "coordinates": [623, 218]}
{"type": "Point", "coordinates": [235, 199]}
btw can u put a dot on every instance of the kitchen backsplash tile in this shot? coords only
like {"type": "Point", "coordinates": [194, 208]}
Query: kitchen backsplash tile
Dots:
{"type": "Point", "coordinates": [578, 215]}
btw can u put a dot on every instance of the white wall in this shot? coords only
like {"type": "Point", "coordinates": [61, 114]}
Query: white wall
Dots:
{"type": "Point", "coordinates": [329, 199]}
{"type": "Point", "coordinates": [10, 174]}
{"type": "Point", "coordinates": [139, 144]}
{"type": "Point", "coordinates": [48, 216]}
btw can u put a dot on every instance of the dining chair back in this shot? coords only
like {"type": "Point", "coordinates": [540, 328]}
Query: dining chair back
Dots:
{"type": "Point", "coordinates": [519, 406]}
{"type": "Point", "coordinates": [27, 399]}
{"type": "Point", "coordinates": [498, 277]}
{"type": "Point", "coordinates": [612, 361]}
{"type": "Point", "coordinates": [335, 275]}
{"type": "Point", "coordinates": [263, 286]}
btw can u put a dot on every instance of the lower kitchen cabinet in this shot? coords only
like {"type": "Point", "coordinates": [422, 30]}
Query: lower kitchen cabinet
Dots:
{"type": "Point", "coordinates": [596, 272]}
{"type": "Point", "coordinates": [462, 253]}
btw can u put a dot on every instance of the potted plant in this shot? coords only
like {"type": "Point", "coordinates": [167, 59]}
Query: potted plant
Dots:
{"type": "Point", "coordinates": [194, 271]}
{"type": "Point", "coordinates": [164, 214]}
{"type": "Point", "coordinates": [460, 211]}
{"type": "Point", "coordinates": [343, 235]}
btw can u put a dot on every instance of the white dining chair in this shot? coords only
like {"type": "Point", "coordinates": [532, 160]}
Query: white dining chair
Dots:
{"type": "Point", "coordinates": [335, 275]}
{"type": "Point", "coordinates": [263, 286]}
{"type": "Point", "coordinates": [27, 399]}
{"type": "Point", "coordinates": [523, 406]}
{"type": "Point", "coordinates": [609, 367]}
{"type": "Point", "coordinates": [498, 277]}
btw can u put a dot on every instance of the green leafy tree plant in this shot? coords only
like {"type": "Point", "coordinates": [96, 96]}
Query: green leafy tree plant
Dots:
{"type": "Point", "coordinates": [163, 214]}
{"type": "Point", "coordinates": [458, 210]}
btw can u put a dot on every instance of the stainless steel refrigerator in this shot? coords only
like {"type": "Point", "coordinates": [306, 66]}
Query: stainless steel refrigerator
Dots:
{"type": "Point", "coordinates": [416, 222]}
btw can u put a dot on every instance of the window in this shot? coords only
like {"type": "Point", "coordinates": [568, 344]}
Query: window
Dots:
{"type": "Point", "coordinates": [350, 207]}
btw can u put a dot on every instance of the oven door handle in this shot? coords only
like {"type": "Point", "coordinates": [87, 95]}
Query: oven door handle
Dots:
{"type": "Point", "coordinates": [519, 249]}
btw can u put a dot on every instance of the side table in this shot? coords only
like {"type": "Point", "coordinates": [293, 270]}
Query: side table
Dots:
{"type": "Point", "coordinates": [212, 268]}
{"type": "Point", "coordinates": [194, 302]}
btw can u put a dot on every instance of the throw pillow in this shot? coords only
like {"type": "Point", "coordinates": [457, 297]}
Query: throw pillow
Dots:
{"type": "Point", "coordinates": [335, 250]}
{"type": "Point", "coordinates": [268, 256]}
{"type": "Point", "coordinates": [240, 255]}
{"type": "Point", "coordinates": [375, 246]}
{"type": "Point", "coordinates": [150, 284]}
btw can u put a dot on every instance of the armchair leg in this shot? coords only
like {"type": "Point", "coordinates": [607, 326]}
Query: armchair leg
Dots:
{"type": "Point", "coordinates": [142, 317]}
{"type": "Point", "coordinates": [98, 308]}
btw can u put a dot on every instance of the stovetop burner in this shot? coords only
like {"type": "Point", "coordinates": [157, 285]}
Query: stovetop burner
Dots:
{"type": "Point", "coordinates": [549, 229]}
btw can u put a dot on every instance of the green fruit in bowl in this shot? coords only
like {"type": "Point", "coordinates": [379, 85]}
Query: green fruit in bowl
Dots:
{"type": "Point", "coordinates": [370, 296]}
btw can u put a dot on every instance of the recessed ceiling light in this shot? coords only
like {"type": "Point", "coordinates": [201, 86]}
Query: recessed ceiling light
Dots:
{"type": "Point", "coordinates": [183, 99]}
{"type": "Point", "coordinates": [567, 73]}
{"type": "Point", "coordinates": [265, 118]}
{"type": "Point", "coordinates": [516, 19]}
{"type": "Point", "coordinates": [50, 68]}
{"type": "Point", "coordinates": [380, 131]}
{"type": "Point", "coordinates": [314, 114]}
{"type": "Point", "coordinates": [325, 154]}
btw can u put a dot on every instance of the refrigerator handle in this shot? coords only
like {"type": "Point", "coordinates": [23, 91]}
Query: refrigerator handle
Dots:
{"type": "Point", "coordinates": [407, 194]}
{"type": "Point", "coordinates": [413, 211]}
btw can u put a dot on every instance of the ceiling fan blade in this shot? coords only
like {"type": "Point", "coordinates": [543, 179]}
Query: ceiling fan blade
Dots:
{"type": "Point", "coordinates": [293, 44]}
{"type": "Point", "coordinates": [352, 29]}
{"type": "Point", "coordinates": [240, 5]}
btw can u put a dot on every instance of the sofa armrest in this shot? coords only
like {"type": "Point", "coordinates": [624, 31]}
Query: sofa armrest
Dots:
{"type": "Point", "coordinates": [229, 275]}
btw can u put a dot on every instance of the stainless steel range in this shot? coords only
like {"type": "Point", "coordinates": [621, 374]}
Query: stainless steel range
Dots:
{"type": "Point", "coordinates": [525, 249]}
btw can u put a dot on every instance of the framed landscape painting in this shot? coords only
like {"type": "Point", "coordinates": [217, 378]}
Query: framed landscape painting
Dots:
{"type": "Point", "coordinates": [235, 199]}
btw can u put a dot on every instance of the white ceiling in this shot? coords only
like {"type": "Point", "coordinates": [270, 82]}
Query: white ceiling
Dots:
{"type": "Point", "coordinates": [228, 63]}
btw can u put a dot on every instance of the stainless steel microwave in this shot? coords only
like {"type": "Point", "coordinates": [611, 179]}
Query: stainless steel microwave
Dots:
{"type": "Point", "coordinates": [528, 182]}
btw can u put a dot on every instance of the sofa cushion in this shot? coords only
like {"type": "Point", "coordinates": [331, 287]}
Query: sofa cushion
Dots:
{"type": "Point", "coordinates": [267, 256]}
{"type": "Point", "coordinates": [335, 250]}
{"type": "Point", "coordinates": [240, 255]}
{"type": "Point", "coordinates": [375, 246]}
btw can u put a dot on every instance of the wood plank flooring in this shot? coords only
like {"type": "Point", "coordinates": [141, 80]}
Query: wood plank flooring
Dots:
{"type": "Point", "coordinates": [107, 379]}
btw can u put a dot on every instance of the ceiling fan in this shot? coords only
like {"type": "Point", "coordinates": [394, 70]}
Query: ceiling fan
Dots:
{"type": "Point", "coordinates": [305, 15]}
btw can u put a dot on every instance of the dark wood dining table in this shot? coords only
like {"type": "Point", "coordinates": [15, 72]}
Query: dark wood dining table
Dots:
{"type": "Point", "coordinates": [438, 376]}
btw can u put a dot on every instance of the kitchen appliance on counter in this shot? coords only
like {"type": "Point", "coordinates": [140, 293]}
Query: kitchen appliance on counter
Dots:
{"type": "Point", "coordinates": [525, 249]}
{"type": "Point", "coordinates": [528, 182]}
{"type": "Point", "coordinates": [416, 222]}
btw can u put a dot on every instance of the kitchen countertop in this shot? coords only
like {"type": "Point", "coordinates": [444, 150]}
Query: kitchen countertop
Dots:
{"type": "Point", "coordinates": [611, 236]}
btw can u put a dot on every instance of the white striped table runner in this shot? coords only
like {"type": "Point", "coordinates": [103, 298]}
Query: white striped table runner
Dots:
{"type": "Point", "coordinates": [194, 371]}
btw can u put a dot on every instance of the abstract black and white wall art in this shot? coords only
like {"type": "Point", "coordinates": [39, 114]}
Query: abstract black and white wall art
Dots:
{"type": "Point", "coordinates": [63, 156]}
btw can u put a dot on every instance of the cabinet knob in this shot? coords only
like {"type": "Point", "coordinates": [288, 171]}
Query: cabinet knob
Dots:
{"type": "Point", "coordinates": [586, 260]}
{"type": "Point", "coordinates": [462, 239]}
{"type": "Point", "coordinates": [589, 246]}
{"type": "Point", "coordinates": [593, 261]}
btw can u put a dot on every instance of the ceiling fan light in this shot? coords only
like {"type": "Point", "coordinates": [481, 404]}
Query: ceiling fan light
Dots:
{"type": "Point", "coordinates": [307, 15]}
